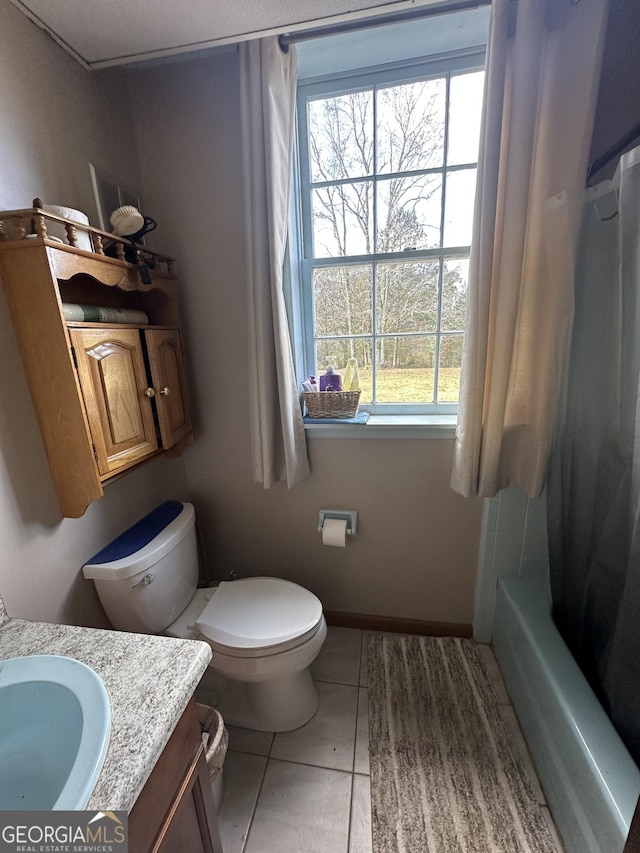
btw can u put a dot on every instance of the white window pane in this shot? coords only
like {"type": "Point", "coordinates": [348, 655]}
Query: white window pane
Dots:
{"type": "Point", "coordinates": [341, 136]}
{"type": "Point", "coordinates": [449, 371]}
{"type": "Point", "coordinates": [407, 297]}
{"type": "Point", "coordinates": [406, 369]}
{"type": "Point", "coordinates": [411, 121]}
{"type": "Point", "coordinates": [458, 207]}
{"type": "Point", "coordinates": [391, 173]}
{"type": "Point", "coordinates": [409, 212]}
{"type": "Point", "coordinates": [465, 108]}
{"type": "Point", "coordinates": [342, 220]}
{"type": "Point", "coordinates": [455, 279]}
{"type": "Point", "coordinates": [342, 299]}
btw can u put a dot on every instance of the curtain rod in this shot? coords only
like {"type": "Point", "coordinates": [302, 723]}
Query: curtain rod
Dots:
{"type": "Point", "coordinates": [367, 23]}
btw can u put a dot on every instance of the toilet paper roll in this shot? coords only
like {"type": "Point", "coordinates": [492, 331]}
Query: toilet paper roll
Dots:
{"type": "Point", "coordinates": [334, 532]}
{"type": "Point", "coordinates": [58, 229]}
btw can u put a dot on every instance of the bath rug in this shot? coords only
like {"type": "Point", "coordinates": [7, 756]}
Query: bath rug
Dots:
{"type": "Point", "coordinates": [445, 775]}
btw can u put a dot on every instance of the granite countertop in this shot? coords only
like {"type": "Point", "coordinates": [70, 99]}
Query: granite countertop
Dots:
{"type": "Point", "coordinates": [149, 680]}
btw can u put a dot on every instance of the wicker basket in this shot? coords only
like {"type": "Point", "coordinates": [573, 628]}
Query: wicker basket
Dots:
{"type": "Point", "coordinates": [332, 404]}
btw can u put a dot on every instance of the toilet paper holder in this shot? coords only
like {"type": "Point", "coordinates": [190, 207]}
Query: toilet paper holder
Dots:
{"type": "Point", "coordinates": [348, 515]}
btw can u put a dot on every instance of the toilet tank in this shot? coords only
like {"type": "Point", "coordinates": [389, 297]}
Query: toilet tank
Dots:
{"type": "Point", "coordinates": [146, 577]}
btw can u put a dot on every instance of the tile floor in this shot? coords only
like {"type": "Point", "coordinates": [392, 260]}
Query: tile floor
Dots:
{"type": "Point", "coordinates": [307, 791]}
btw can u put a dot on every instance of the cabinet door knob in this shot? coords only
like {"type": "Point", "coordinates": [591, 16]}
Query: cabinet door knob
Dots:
{"type": "Point", "coordinates": [165, 392]}
{"type": "Point", "coordinates": [149, 392]}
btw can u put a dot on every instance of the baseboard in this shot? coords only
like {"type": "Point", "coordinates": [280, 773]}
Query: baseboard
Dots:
{"type": "Point", "coordinates": [397, 625]}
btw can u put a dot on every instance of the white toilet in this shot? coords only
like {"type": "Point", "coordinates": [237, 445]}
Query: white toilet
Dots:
{"type": "Point", "coordinates": [264, 632]}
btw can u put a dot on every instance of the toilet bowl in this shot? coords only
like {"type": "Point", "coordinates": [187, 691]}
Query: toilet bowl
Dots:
{"type": "Point", "coordinates": [261, 677]}
{"type": "Point", "coordinates": [264, 632]}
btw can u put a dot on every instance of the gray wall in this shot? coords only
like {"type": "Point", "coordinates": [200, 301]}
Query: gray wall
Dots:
{"type": "Point", "coordinates": [417, 549]}
{"type": "Point", "coordinates": [54, 119]}
{"type": "Point", "coordinates": [619, 96]}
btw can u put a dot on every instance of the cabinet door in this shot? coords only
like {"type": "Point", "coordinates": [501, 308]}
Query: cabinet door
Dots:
{"type": "Point", "coordinates": [113, 381]}
{"type": "Point", "coordinates": [174, 812]}
{"type": "Point", "coordinates": [192, 825]}
{"type": "Point", "coordinates": [164, 349]}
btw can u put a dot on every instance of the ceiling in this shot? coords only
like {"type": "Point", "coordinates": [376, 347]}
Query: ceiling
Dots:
{"type": "Point", "coordinates": [100, 34]}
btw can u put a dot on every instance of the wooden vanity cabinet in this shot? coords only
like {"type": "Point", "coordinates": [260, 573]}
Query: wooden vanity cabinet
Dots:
{"type": "Point", "coordinates": [108, 396]}
{"type": "Point", "coordinates": [175, 812]}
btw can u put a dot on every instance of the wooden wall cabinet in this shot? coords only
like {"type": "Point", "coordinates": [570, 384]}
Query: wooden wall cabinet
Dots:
{"type": "Point", "coordinates": [108, 396]}
{"type": "Point", "coordinates": [132, 408]}
{"type": "Point", "coordinates": [175, 812]}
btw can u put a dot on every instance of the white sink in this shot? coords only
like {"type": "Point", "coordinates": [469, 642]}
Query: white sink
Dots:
{"type": "Point", "coordinates": [55, 721]}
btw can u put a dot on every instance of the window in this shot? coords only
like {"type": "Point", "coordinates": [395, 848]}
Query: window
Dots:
{"type": "Point", "coordinates": [388, 161]}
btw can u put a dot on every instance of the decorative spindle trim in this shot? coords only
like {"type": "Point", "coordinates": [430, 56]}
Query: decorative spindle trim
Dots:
{"type": "Point", "coordinates": [72, 235]}
{"type": "Point", "coordinates": [40, 225]}
{"type": "Point", "coordinates": [19, 231]}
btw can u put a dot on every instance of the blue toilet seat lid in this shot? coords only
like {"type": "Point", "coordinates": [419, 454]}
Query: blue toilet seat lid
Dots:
{"type": "Point", "coordinates": [257, 613]}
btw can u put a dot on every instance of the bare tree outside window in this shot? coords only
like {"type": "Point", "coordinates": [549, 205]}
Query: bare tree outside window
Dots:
{"type": "Point", "coordinates": [391, 183]}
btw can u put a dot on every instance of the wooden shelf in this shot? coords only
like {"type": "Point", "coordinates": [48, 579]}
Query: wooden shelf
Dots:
{"type": "Point", "coordinates": [107, 396]}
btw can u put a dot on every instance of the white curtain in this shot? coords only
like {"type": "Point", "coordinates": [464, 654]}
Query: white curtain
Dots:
{"type": "Point", "coordinates": [541, 88]}
{"type": "Point", "coordinates": [267, 93]}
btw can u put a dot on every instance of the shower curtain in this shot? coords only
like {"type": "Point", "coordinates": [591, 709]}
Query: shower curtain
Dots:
{"type": "Point", "coordinates": [594, 480]}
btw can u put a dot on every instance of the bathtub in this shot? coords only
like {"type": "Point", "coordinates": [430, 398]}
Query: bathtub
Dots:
{"type": "Point", "coordinates": [589, 779]}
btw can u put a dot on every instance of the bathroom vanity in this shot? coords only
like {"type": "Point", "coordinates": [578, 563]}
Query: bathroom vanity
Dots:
{"type": "Point", "coordinates": [174, 811]}
{"type": "Point", "coordinates": [155, 768]}
{"type": "Point", "coordinates": [100, 338]}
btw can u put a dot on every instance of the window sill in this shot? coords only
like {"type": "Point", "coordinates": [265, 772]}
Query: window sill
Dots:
{"type": "Point", "coordinates": [389, 426]}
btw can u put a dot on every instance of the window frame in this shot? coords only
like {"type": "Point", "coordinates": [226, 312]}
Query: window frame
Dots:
{"type": "Point", "coordinates": [437, 66]}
